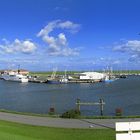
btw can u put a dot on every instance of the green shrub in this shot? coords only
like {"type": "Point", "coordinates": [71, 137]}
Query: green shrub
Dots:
{"type": "Point", "coordinates": [71, 114]}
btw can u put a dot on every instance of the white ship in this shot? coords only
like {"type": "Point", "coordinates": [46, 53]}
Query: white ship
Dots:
{"type": "Point", "coordinates": [64, 79]}
{"type": "Point", "coordinates": [14, 76]}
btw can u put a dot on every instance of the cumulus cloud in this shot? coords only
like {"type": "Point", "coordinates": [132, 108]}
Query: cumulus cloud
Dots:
{"type": "Point", "coordinates": [72, 27]}
{"type": "Point", "coordinates": [132, 47]}
{"type": "Point", "coordinates": [128, 46]}
{"type": "Point", "coordinates": [58, 46]}
{"type": "Point", "coordinates": [17, 46]}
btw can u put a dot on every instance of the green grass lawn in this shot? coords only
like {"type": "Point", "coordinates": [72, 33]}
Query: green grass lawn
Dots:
{"type": "Point", "coordinates": [15, 131]}
{"type": "Point", "coordinates": [74, 72]}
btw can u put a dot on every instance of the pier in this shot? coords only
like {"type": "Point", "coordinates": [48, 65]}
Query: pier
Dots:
{"type": "Point", "coordinates": [101, 103]}
{"type": "Point", "coordinates": [74, 77]}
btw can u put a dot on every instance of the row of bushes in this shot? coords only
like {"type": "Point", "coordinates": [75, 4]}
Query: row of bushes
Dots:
{"type": "Point", "coordinates": [73, 113]}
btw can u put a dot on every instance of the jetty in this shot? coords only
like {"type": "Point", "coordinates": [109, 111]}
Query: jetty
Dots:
{"type": "Point", "coordinates": [76, 77]}
{"type": "Point", "coordinates": [101, 103]}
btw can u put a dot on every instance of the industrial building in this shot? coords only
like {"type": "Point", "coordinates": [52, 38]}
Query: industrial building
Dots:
{"type": "Point", "coordinates": [92, 76]}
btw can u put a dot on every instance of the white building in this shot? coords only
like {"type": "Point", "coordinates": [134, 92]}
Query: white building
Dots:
{"type": "Point", "coordinates": [92, 76]}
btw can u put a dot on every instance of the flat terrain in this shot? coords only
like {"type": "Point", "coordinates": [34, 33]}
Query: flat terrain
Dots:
{"type": "Point", "coordinates": [15, 131]}
{"type": "Point", "coordinates": [24, 127]}
{"type": "Point", "coordinates": [43, 73]}
{"type": "Point", "coordinates": [62, 123]}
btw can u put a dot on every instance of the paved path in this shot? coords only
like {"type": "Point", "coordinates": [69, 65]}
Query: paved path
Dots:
{"type": "Point", "coordinates": [64, 123]}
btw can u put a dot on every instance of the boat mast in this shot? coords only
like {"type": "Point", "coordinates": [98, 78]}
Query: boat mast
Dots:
{"type": "Point", "coordinates": [18, 69]}
{"type": "Point", "coordinates": [54, 73]}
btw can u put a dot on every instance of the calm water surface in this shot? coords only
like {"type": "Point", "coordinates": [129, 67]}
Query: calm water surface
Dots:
{"type": "Point", "coordinates": [38, 98]}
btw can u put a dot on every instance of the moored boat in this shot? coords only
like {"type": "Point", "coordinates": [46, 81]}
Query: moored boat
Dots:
{"type": "Point", "coordinates": [14, 76]}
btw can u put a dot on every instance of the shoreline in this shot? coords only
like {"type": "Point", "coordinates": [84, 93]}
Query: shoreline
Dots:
{"type": "Point", "coordinates": [51, 101]}
{"type": "Point", "coordinates": [63, 123]}
{"type": "Point", "coordinates": [58, 115]}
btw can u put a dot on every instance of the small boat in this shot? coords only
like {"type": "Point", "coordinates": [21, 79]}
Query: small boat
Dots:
{"type": "Point", "coordinates": [14, 76]}
{"type": "Point", "coordinates": [53, 79]}
{"type": "Point", "coordinates": [57, 80]}
{"type": "Point", "coordinates": [109, 76]}
{"type": "Point", "coordinates": [123, 76]}
{"type": "Point", "coordinates": [109, 79]}
{"type": "Point", "coordinates": [64, 79]}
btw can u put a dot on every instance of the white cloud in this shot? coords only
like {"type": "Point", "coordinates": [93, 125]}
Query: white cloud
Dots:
{"type": "Point", "coordinates": [17, 46]}
{"type": "Point", "coordinates": [58, 46]}
{"type": "Point", "coordinates": [131, 47]}
{"type": "Point", "coordinates": [62, 39]}
{"type": "Point", "coordinates": [116, 62]}
{"type": "Point", "coordinates": [62, 52]}
{"type": "Point", "coordinates": [72, 27]}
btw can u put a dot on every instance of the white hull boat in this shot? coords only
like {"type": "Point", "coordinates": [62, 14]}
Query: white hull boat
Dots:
{"type": "Point", "coordinates": [13, 76]}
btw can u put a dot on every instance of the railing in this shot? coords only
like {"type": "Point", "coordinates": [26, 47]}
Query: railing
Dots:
{"type": "Point", "coordinates": [101, 103]}
{"type": "Point", "coordinates": [128, 131]}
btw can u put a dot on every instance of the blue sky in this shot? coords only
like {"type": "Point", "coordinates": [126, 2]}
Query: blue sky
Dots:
{"type": "Point", "coordinates": [70, 34]}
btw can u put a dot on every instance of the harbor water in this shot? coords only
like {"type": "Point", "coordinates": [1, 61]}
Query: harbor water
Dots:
{"type": "Point", "coordinates": [40, 97]}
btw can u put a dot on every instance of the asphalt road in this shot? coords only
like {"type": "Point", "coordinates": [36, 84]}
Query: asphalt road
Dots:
{"type": "Point", "coordinates": [63, 123]}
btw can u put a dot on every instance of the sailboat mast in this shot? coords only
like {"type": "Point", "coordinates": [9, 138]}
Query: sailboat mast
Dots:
{"type": "Point", "coordinates": [18, 69]}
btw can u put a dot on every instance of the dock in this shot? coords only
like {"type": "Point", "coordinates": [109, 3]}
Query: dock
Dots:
{"type": "Point", "coordinates": [70, 81]}
{"type": "Point", "coordinates": [84, 81]}
{"type": "Point", "coordinates": [101, 103]}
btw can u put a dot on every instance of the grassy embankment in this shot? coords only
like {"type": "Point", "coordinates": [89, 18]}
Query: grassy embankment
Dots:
{"type": "Point", "coordinates": [48, 73]}
{"type": "Point", "coordinates": [79, 117]}
{"type": "Point", "coordinates": [15, 131]}
{"type": "Point", "coordinates": [74, 72]}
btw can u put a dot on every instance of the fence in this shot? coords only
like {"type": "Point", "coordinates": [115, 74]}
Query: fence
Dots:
{"type": "Point", "coordinates": [128, 131]}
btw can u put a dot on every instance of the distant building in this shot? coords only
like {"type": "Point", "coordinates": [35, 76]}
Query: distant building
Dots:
{"type": "Point", "coordinates": [92, 76]}
{"type": "Point", "coordinates": [21, 71]}
{"type": "Point", "coordinates": [24, 72]}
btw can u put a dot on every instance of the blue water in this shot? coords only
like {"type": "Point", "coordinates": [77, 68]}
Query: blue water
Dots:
{"type": "Point", "coordinates": [39, 97]}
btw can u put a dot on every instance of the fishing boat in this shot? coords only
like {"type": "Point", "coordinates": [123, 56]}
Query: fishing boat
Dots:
{"type": "Point", "coordinates": [53, 79]}
{"type": "Point", "coordinates": [109, 77]}
{"type": "Point", "coordinates": [57, 80]}
{"type": "Point", "coordinates": [64, 79]}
